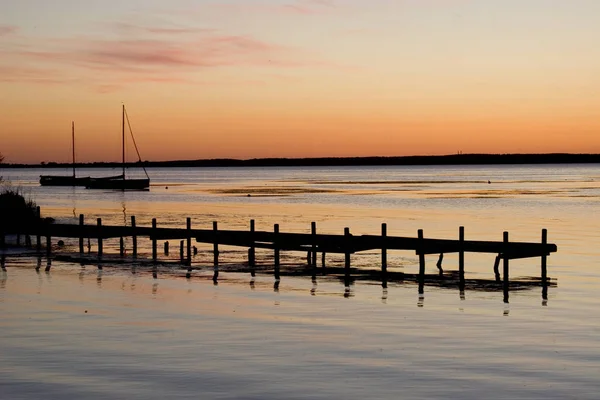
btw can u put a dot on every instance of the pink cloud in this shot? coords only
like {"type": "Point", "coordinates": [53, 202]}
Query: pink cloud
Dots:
{"type": "Point", "coordinates": [297, 7]}
{"type": "Point", "coordinates": [7, 29]}
{"type": "Point", "coordinates": [128, 28]}
{"type": "Point", "coordinates": [155, 54]}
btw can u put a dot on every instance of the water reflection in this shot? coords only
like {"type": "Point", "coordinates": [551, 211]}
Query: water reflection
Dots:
{"type": "Point", "coordinates": [313, 290]}
{"type": "Point", "coordinates": [3, 279]}
{"type": "Point", "coordinates": [421, 300]}
{"type": "Point", "coordinates": [276, 286]}
{"type": "Point", "coordinates": [384, 295]}
{"type": "Point", "coordinates": [252, 284]}
{"type": "Point", "coordinates": [99, 278]}
{"type": "Point", "coordinates": [3, 262]}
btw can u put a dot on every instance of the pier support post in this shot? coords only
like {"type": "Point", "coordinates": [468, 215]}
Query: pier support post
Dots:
{"type": "Point", "coordinates": [347, 248]}
{"type": "Point", "coordinates": [166, 248]}
{"type": "Point", "coordinates": [252, 250]}
{"type": "Point", "coordinates": [313, 256]}
{"type": "Point", "coordinates": [121, 247]}
{"type": "Point", "coordinates": [99, 237]}
{"type": "Point", "coordinates": [215, 246]}
{"type": "Point", "coordinates": [497, 267]}
{"type": "Point", "coordinates": [154, 255]}
{"type": "Point", "coordinates": [544, 268]}
{"type": "Point", "coordinates": [38, 237]}
{"type": "Point", "coordinates": [188, 225]}
{"type": "Point", "coordinates": [133, 237]}
{"type": "Point", "coordinates": [461, 258]}
{"type": "Point", "coordinates": [421, 252]}
{"type": "Point", "coordinates": [505, 285]}
{"type": "Point", "coordinates": [81, 222]}
{"type": "Point", "coordinates": [48, 246]}
{"type": "Point", "coordinates": [383, 248]}
{"type": "Point", "coordinates": [181, 251]}
{"type": "Point", "coordinates": [276, 250]}
{"type": "Point", "coordinates": [438, 264]}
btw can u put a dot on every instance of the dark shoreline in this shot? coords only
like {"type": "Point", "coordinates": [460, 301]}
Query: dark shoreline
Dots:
{"type": "Point", "coordinates": [454, 159]}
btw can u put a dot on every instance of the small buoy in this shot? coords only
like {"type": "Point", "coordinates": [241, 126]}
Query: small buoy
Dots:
{"type": "Point", "coordinates": [86, 311]}
{"type": "Point", "coordinates": [61, 243]}
{"type": "Point", "coordinates": [166, 187]}
{"type": "Point", "coordinates": [489, 182]}
{"type": "Point", "coordinates": [249, 195]}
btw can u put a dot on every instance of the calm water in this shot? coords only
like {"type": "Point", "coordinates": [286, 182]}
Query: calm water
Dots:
{"type": "Point", "coordinates": [83, 333]}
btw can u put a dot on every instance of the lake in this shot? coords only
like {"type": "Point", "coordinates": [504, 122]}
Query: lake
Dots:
{"type": "Point", "coordinates": [81, 332]}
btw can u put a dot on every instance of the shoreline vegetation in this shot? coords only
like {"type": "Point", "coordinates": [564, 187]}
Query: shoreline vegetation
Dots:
{"type": "Point", "coordinates": [454, 159]}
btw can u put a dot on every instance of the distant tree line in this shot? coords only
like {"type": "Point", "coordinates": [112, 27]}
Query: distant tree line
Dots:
{"type": "Point", "coordinates": [454, 159]}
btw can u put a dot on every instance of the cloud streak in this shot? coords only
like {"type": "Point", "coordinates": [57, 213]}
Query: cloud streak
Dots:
{"type": "Point", "coordinates": [6, 30]}
{"type": "Point", "coordinates": [148, 54]}
{"type": "Point", "coordinates": [298, 7]}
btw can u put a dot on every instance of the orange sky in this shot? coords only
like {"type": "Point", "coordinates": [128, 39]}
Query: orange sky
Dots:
{"type": "Point", "coordinates": [298, 78]}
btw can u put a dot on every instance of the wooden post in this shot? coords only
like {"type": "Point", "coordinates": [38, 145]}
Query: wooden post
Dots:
{"type": "Point", "coordinates": [544, 242]}
{"type": "Point", "coordinates": [133, 237]}
{"type": "Point", "coordinates": [99, 237]}
{"type": "Point", "coordinates": [189, 240]}
{"type": "Point", "coordinates": [383, 248]}
{"type": "Point", "coordinates": [323, 259]}
{"type": "Point", "coordinates": [121, 247]}
{"type": "Point", "coordinates": [505, 284]}
{"type": "Point", "coordinates": [166, 248]}
{"type": "Point", "coordinates": [252, 250]}
{"type": "Point", "coordinates": [439, 263]}
{"type": "Point", "coordinates": [38, 238]}
{"type": "Point", "coordinates": [421, 252]}
{"type": "Point", "coordinates": [48, 246]}
{"type": "Point", "coordinates": [276, 250]}
{"type": "Point", "coordinates": [496, 267]}
{"type": "Point", "coordinates": [3, 237]}
{"type": "Point", "coordinates": [81, 222]}
{"type": "Point", "coordinates": [215, 253]}
{"type": "Point", "coordinates": [154, 251]}
{"type": "Point", "coordinates": [313, 232]}
{"type": "Point", "coordinates": [347, 248]}
{"type": "Point", "coordinates": [544, 269]}
{"type": "Point", "coordinates": [181, 251]}
{"type": "Point", "coordinates": [461, 258]}
{"type": "Point", "coordinates": [215, 246]}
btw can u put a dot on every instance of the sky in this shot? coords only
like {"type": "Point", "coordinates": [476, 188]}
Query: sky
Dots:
{"type": "Point", "coordinates": [298, 78]}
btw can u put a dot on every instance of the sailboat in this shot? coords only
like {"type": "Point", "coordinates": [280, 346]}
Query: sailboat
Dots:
{"type": "Point", "coordinates": [120, 182]}
{"type": "Point", "coordinates": [65, 180]}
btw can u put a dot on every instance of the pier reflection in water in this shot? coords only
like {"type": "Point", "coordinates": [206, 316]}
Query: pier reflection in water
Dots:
{"type": "Point", "coordinates": [347, 278]}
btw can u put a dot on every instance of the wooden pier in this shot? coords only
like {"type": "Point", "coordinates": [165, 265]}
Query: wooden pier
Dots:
{"type": "Point", "coordinates": [309, 243]}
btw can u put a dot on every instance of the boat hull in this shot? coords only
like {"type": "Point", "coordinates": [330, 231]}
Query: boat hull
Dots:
{"type": "Point", "coordinates": [118, 184]}
{"type": "Point", "coordinates": [58, 180]}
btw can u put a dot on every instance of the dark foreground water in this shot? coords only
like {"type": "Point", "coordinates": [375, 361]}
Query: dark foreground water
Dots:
{"type": "Point", "coordinates": [118, 333]}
